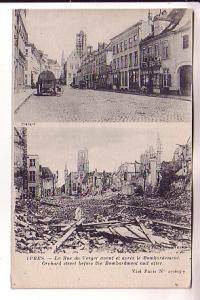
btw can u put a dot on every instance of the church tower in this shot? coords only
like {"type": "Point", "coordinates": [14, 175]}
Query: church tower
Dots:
{"type": "Point", "coordinates": [83, 161]}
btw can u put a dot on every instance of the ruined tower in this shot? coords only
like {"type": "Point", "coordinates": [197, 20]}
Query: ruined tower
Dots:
{"type": "Point", "coordinates": [83, 162]}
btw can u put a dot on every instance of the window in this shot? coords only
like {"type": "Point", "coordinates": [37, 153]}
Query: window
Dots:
{"type": "Point", "coordinates": [32, 176]}
{"type": "Point", "coordinates": [125, 78]}
{"type": "Point", "coordinates": [26, 79]}
{"type": "Point", "coordinates": [117, 48]}
{"type": "Point", "coordinates": [150, 51]}
{"type": "Point", "coordinates": [130, 60]}
{"type": "Point", "coordinates": [156, 51]}
{"type": "Point", "coordinates": [143, 54]}
{"type": "Point", "coordinates": [136, 76]}
{"type": "Point", "coordinates": [130, 42]}
{"type": "Point", "coordinates": [32, 162]}
{"type": "Point", "coordinates": [32, 191]}
{"type": "Point", "coordinates": [166, 78]}
{"type": "Point", "coordinates": [156, 80]}
{"type": "Point", "coordinates": [118, 63]}
{"type": "Point", "coordinates": [165, 49]}
{"type": "Point", "coordinates": [185, 41]}
{"type": "Point", "coordinates": [26, 65]}
{"type": "Point", "coordinates": [122, 78]}
{"type": "Point", "coordinates": [121, 47]}
{"type": "Point", "coordinates": [113, 49]}
{"type": "Point", "coordinates": [114, 64]}
{"type": "Point", "coordinates": [74, 187]}
{"type": "Point", "coordinates": [125, 45]}
{"type": "Point", "coordinates": [135, 58]}
{"type": "Point", "coordinates": [126, 61]}
{"type": "Point", "coordinates": [135, 37]}
{"type": "Point", "coordinates": [26, 52]}
{"type": "Point", "coordinates": [122, 62]}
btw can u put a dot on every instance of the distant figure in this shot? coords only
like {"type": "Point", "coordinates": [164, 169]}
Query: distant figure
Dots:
{"type": "Point", "coordinates": [78, 213]}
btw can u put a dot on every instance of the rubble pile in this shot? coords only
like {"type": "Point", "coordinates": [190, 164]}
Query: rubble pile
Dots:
{"type": "Point", "coordinates": [39, 225]}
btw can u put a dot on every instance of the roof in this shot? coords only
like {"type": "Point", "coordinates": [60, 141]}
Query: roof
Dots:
{"type": "Point", "coordinates": [52, 61]}
{"type": "Point", "coordinates": [175, 16]}
{"type": "Point", "coordinates": [46, 75]}
{"type": "Point", "coordinates": [126, 30]}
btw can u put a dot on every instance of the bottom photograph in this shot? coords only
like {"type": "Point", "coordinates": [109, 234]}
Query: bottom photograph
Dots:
{"type": "Point", "coordinates": [112, 199]}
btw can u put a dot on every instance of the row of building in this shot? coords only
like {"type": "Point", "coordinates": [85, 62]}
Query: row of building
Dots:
{"type": "Point", "coordinates": [127, 177]}
{"type": "Point", "coordinates": [153, 55]}
{"type": "Point", "coordinates": [31, 180]}
{"type": "Point", "coordinates": [145, 174]}
{"type": "Point", "coordinates": [29, 61]}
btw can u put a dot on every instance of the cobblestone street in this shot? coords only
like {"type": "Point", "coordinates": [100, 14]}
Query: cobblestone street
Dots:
{"type": "Point", "coordinates": [76, 105]}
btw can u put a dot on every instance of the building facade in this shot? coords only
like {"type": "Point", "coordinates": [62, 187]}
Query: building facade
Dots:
{"type": "Point", "coordinates": [103, 65]}
{"type": "Point", "coordinates": [54, 67]}
{"type": "Point", "coordinates": [75, 183]}
{"type": "Point", "coordinates": [20, 41]}
{"type": "Point", "coordinates": [183, 154]}
{"type": "Point", "coordinates": [150, 165]}
{"type": "Point", "coordinates": [126, 56]}
{"type": "Point", "coordinates": [47, 184]}
{"type": "Point", "coordinates": [73, 65]}
{"type": "Point", "coordinates": [88, 68]}
{"type": "Point", "coordinates": [166, 54]}
{"type": "Point", "coordinates": [34, 174]}
{"type": "Point", "coordinates": [73, 62]}
{"type": "Point", "coordinates": [127, 177]}
{"type": "Point", "coordinates": [20, 163]}
{"type": "Point", "coordinates": [32, 65]}
{"type": "Point", "coordinates": [43, 61]}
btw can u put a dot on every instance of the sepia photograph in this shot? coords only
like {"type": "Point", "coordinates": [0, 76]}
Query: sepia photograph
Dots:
{"type": "Point", "coordinates": [102, 147]}
{"type": "Point", "coordinates": [114, 189]}
{"type": "Point", "coordinates": [103, 65]}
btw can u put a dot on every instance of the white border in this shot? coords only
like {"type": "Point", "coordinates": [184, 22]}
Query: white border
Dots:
{"type": "Point", "coordinates": [5, 164]}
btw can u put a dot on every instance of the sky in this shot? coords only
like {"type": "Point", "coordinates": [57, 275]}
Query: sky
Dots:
{"type": "Point", "coordinates": [108, 145]}
{"type": "Point", "coordinates": [55, 30]}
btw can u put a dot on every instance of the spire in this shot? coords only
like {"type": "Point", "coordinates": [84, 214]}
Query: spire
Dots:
{"type": "Point", "coordinates": [159, 150]}
{"type": "Point", "coordinates": [62, 63]}
{"type": "Point", "coordinates": [150, 17]}
{"type": "Point", "coordinates": [66, 171]}
{"type": "Point", "coordinates": [158, 143]}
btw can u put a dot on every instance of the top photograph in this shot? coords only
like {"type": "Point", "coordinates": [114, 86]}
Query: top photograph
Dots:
{"type": "Point", "coordinates": [102, 65]}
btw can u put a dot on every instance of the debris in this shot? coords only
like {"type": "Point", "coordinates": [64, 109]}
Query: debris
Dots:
{"type": "Point", "coordinates": [112, 222]}
{"type": "Point", "coordinates": [146, 232]}
{"type": "Point", "coordinates": [66, 235]}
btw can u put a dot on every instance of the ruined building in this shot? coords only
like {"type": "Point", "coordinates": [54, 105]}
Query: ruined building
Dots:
{"type": "Point", "coordinates": [151, 164]}
{"type": "Point", "coordinates": [83, 162]}
{"type": "Point", "coordinates": [20, 162]}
